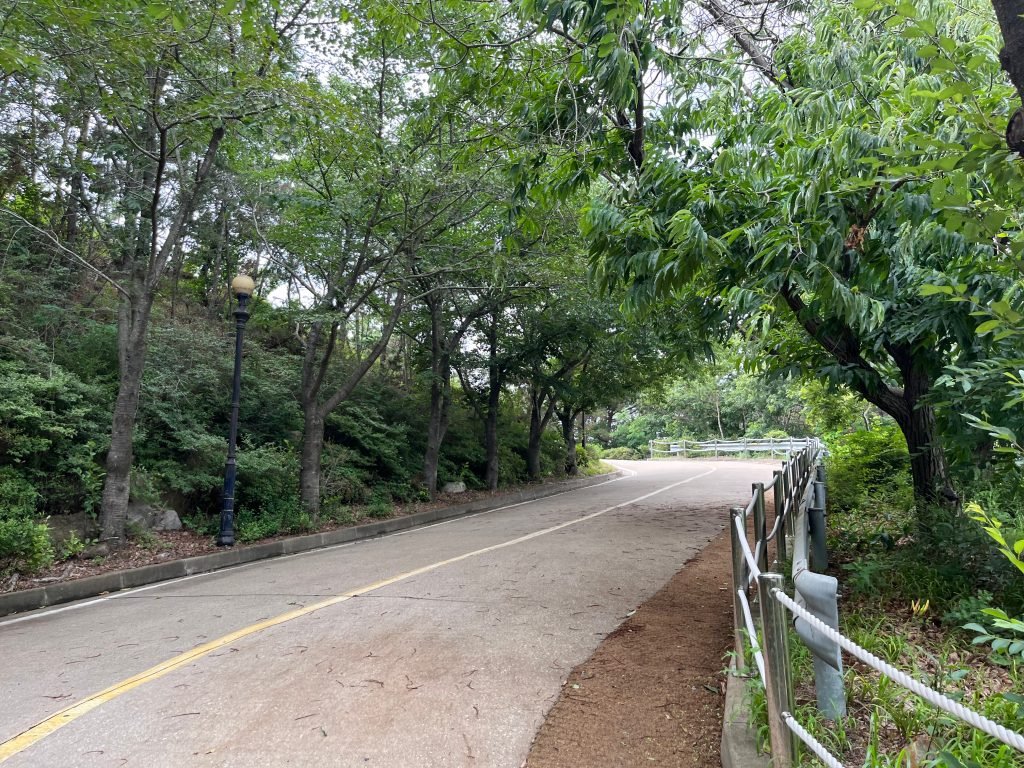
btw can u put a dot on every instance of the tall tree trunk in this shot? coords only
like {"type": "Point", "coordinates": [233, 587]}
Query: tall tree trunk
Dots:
{"type": "Point", "coordinates": [493, 405]}
{"type": "Point", "coordinates": [143, 263]}
{"type": "Point", "coordinates": [1008, 13]}
{"type": "Point", "coordinates": [907, 406]}
{"type": "Point", "coordinates": [133, 322]}
{"type": "Point", "coordinates": [316, 409]}
{"type": "Point", "coordinates": [929, 469]}
{"type": "Point", "coordinates": [312, 452]}
{"type": "Point", "coordinates": [568, 421]}
{"type": "Point", "coordinates": [1011, 57]}
{"type": "Point", "coordinates": [540, 415]}
{"type": "Point", "coordinates": [440, 393]}
{"type": "Point", "coordinates": [437, 425]}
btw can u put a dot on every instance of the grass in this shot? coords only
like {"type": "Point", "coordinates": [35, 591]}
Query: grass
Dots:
{"type": "Point", "coordinates": [908, 582]}
{"type": "Point", "coordinates": [903, 597]}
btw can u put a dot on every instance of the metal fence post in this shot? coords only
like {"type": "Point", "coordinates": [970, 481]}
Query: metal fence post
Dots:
{"type": "Point", "coordinates": [780, 509]}
{"type": "Point", "coordinates": [760, 526]}
{"type": "Point", "coordinates": [739, 581]}
{"type": "Point", "coordinates": [788, 496]}
{"type": "Point", "coordinates": [778, 679]}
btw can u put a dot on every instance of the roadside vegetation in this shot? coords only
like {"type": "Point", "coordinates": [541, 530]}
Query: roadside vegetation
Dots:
{"type": "Point", "coordinates": [929, 593]}
{"type": "Point", "coordinates": [489, 240]}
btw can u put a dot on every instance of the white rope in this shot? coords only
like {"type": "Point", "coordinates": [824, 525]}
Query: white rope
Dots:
{"type": "Point", "coordinates": [747, 554]}
{"type": "Point", "coordinates": [748, 619]}
{"type": "Point", "coordinates": [757, 550]}
{"type": "Point", "coordinates": [812, 743]}
{"type": "Point", "coordinates": [982, 723]}
{"type": "Point", "coordinates": [775, 528]}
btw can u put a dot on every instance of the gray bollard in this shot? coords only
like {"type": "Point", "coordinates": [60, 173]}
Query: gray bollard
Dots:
{"type": "Point", "coordinates": [816, 528]}
{"type": "Point", "coordinates": [817, 593]}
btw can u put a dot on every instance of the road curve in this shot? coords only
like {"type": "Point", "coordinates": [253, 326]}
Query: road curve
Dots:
{"type": "Point", "coordinates": [440, 646]}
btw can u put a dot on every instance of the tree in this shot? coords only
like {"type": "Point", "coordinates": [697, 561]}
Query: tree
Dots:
{"type": "Point", "coordinates": [143, 105]}
{"type": "Point", "coordinates": [801, 214]}
{"type": "Point", "coordinates": [1011, 23]}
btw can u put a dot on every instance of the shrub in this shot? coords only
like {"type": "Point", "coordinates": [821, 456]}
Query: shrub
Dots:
{"type": "Point", "coordinates": [511, 465]}
{"type": "Point", "coordinates": [871, 464]}
{"type": "Point", "coordinates": [24, 545]}
{"type": "Point", "coordinates": [267, 493]}
{"type": "Point", "coordinates": [621, 453]}
{"type": "Point", "coordinates": [380, 506]}
{"type": "Point", "coordinates": [583, 457]}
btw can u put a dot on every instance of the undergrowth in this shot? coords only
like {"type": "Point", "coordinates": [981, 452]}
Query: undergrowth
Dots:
{"type": "Point", "coordinates": [909, 580]}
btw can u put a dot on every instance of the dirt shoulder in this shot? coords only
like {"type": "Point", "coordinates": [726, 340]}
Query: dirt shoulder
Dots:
{"type": "Point", "coordinates": [653, 692]}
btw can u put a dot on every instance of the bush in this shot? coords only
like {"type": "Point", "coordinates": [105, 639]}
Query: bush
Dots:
{"type": "Point", "coordinates": [511, 465]}
{"type": "Point", "coordinates": [18, 497]}
{"type": "Point", "coordinates": [24, 545]}
{"type": "Point", "coordinates": [869, 464]}
{"type": "Point", "coordinates": [380, 507]}
{"type": "Point", "coordinates": [267, 493]}
{"type": "Point", "coordinates": [622, 453]}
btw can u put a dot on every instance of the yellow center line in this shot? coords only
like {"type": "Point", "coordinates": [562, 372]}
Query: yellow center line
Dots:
{"type": "Point", "coordinates": [69, 714]}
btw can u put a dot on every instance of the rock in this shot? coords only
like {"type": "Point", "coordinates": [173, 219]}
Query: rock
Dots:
{"type": "Point", "coordinates": [152, 518]}
{"type": "Point", "coordinates": [99, 549]}
{"type": "Point", "coordinates": [456, 487]}
{"type": "Point", "coordinates": [63, 527]}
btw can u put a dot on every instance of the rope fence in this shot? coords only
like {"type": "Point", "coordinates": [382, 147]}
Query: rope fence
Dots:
{"type": "Point", "coordinates": [799, 496]}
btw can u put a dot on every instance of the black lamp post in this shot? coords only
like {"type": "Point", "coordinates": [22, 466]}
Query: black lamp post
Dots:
{"type": "Point", "coordinates": [242, 286]}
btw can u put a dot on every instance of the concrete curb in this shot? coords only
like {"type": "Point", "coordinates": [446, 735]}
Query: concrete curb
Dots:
{"type": "Point", "coordinates": [739, 741]}
{"type": "Point", "coordinates": [91, 586]}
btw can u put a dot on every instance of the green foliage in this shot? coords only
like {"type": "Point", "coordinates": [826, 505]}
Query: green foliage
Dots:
{"type": "Point", "coordinates": [267, 494]}
{"type": "Point", "coordinates": [711, 401]}
{"type": "Point", "coordinates": [380, 507]}
{"type": "Point", "coordinates": [1011, 549]}
{"type": "Point", "coordinates": [25, 545]}
{"type": "Point", "coordinates": [830, 410]}
{"type": "Point", "coordinates": [72, 546]}
{"type": "Point", "coordinates": [867, 465]}
{"type": "Point", "coordinates": [621, 452]}
{"type": "Point", "coordinates": [51, 430]}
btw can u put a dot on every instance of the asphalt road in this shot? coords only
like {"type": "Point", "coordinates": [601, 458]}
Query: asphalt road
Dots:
{"type": "Point", "coordinates": [440, 646]}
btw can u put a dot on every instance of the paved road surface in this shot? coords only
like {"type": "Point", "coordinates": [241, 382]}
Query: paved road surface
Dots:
{"type": "Point", "coordinates": [440, 646]}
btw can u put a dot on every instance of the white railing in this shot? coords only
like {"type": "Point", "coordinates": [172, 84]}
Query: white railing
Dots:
{"type": "Point", "coordinates": [773, 446]}
{"type": "Point", "coordinates": [799, 500]}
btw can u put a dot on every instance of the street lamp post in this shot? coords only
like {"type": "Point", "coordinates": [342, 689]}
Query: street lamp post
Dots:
{"type": "Point", "coordinates": [242, 286]}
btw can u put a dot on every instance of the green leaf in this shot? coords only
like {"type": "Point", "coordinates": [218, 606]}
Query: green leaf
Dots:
{"type": "Point", "coordinates": [988, 325]}
{"type": "Point", "coordinates": [907, 10]}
